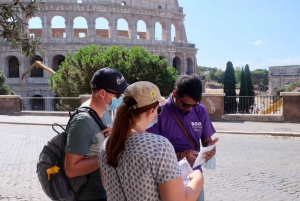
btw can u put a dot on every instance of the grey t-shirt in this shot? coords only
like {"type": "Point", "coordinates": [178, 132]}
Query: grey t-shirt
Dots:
{"type": "Point", "coordinates": [148, 159]}
{"type": "Point", "coordinates": [84, 136]}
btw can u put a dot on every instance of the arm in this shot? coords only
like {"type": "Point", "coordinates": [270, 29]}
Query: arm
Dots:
{"type": "Point", "coordinates": [76, 165]}
{"type": "Point", "coordinates": [174, 190]}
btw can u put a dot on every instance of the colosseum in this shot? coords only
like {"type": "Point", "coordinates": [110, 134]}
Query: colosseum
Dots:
{"type": "Point", "coordinates": [101, 19]}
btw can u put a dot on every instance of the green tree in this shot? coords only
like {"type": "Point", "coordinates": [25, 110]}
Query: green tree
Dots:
{"type": "Point", "coordinates": [243, 96]}
{"type": "Point", "coordinates": [250, 88]}
{"type": "Point", "coordinates": [260, 79]}
{"type": "Point", "coordinates": [219, 76]}
{"type": "Point", "coordinates": [13, 28]}
{"type": "Point", "coordinates": [4, 89]}
{"type": "Point", "coordinates": [229, 89]}
{"type": "Point", "coordinates": [136, 64]}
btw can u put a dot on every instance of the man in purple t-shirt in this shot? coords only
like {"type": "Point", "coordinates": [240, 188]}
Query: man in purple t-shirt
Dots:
{"type": "Point", "coordinates": [183, 102]}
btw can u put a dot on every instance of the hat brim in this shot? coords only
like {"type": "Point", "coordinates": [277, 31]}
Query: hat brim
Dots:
{"type": "Point", "coordinates": [122, 88]}
{"type": "Point", "coordinates": [162, 100]}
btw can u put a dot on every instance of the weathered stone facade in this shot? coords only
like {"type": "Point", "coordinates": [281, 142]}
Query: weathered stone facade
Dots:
{"type": "Point", "coordinates": [282, 76]}
{"type": "Point", "coordinates": [58, 41]}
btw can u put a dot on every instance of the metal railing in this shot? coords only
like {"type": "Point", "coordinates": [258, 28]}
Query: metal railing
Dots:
{"type": "Point", "coordinates": [49, 103]}
{"type": "Point", "coordinates": [253, 105]}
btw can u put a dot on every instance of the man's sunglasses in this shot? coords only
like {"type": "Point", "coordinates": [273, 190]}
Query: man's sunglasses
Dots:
{"type": "Point", "coordinates": [118, 95]}
{"type": "Point", "coordinates": [185, 105]}
{"type": "Point", "coordinates": [159, 110]}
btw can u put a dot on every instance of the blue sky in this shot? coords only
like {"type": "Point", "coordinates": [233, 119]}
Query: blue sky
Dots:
{"type": "Point", "coordinates": [260, 33]}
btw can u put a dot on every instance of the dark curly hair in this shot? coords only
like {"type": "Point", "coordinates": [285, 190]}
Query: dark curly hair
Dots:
{"type": "Point", "coordinates": [189, 85]}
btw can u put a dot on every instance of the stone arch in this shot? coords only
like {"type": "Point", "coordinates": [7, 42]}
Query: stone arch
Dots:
{"type": "Point", "coordinates": [13, 67]}
{"type": "Point", "coordinates": [37, 102]}
{"type": "Point", "coordinates": [58, 27]}
{"type": "Point", "coordinates": [35, 27]}
{"type": "Point", "coordinates": [190, 66]}
{"type": "Point", "coordinates": [57, 60]}
{"type": "Point", "coordinates": [80, 27]}
{"type": "Point", "coordinates": [173, 33]}
{"type": "Point", "coordinates": [146, 20]}
{"type": "Point", "coordinates": [177, 64]}
{"type": "Point", "coordinates": [121, 28]}
{"type": "Point", "coordinates": [102, 31]}
{"type": "Point", "coordinates": [36, 72]}
{"type": "Point", "coordinates": [141, 30]}
{"type": "Point", "coordinates": [158, 31]}
{"type": "Point", "coordinates": [176, 32]}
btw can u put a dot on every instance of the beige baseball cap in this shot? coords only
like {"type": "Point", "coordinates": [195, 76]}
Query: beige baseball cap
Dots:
{"type": "Point", "coordinates": [145, 93]}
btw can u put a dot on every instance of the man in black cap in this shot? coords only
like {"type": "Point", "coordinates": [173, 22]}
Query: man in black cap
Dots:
{"type": "Point", "coordinates": [85, 136]}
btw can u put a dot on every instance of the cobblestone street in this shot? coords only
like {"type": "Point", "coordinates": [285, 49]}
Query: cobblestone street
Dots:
{"type": "Point", "coordinates": [248, 167]}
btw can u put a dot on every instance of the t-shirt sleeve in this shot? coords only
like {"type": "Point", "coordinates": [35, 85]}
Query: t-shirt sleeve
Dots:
{"type": "Point", "coordinates": [79, 137]}
{"type": "Point", "coordinates": [165, 165]}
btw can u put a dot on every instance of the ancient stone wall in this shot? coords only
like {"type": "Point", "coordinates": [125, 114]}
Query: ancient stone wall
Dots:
{"type": "Point", "coordinates": [59, 41]}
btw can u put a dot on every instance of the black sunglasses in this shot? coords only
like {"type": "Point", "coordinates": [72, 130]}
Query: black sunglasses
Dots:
{"type": "Point", "coordinates": [118, 95]}
{"type": "Point", "coordinates": [185, 105]}
{"type": "Point", "coordinates": [159, 110]}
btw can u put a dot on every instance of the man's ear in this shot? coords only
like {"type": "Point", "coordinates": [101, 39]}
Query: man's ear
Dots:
{"type": "Point", "coordinates": [174, 94]}
{"type": "Point", "coordinates": [101, 93]}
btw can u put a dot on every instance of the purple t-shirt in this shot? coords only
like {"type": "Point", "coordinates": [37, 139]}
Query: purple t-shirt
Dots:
{"type": "Point", "coordinates": [197, 123]}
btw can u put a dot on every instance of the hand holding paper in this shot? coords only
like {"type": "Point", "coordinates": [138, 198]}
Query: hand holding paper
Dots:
{"type": "Point", "coordinates": [201, 158]}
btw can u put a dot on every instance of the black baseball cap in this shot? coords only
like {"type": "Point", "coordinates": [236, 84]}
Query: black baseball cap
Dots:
{"type": "Point", "coordinates": [108, 78]}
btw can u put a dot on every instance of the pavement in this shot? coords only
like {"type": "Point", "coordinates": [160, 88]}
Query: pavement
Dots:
{"type": "Point", "coordinates": [226, 127]}
{"type": "Point", "coordinates": [251, 164]}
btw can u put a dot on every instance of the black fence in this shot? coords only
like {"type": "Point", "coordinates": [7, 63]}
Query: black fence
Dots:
{"type": "Point", "coordinates": [253, 105]}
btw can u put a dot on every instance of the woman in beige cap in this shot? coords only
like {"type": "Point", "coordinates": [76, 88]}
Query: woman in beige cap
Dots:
{"type": "Point", "coordinates": [137, 165]}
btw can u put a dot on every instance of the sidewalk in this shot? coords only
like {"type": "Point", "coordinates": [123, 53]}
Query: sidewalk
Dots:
{"type": "Point", "coordinates": [229, 127]}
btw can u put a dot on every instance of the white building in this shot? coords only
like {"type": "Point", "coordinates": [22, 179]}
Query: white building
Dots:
{"type": "Point", "coordinates": [282, 76]}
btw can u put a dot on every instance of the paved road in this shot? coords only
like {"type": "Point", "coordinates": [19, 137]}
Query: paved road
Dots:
{"type": "Point", "coordinates": [249, 167]}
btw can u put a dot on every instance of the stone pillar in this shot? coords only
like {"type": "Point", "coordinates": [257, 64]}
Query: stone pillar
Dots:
{"type": "Point", "coordinates": [69, 27]}
{"type": "Point", "coordinates": [291, 106]}
{"type": "Point", "coordinates": [168, 32]}
{"type": "Point", "coordinates": [214, 104]}
{"type": "Point", "coordinates": [113, 29]}
{"type": "Point", "coordinates": [133, 30]}
{"type": "Point", "coordinates": [46, 24]}
{"type": "Point", "coordinates": [10, 104]}
{"type": "Point", "coordinates": [91, 30]}
{"type": "Point", "coordinates": [183, 64]}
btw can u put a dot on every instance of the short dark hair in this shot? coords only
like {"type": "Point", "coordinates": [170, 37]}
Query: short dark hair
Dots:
{"type": "Point", "coordinates": [189, 85]}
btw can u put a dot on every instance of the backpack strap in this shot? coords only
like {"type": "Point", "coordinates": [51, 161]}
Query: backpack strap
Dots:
{"type": "Point", "coordinates": [91, 111]}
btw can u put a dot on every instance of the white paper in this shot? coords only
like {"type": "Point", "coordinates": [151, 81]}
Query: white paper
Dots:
{"type": "Point", "coordinates": [185, 170]}
{"type": "Point", "coordinates": [201, 158]}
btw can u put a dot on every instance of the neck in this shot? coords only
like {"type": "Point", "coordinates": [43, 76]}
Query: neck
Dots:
{"type": "Point", "coordinates": [97, 105]}
{"type": "Point", "coordinates": [138, 129]}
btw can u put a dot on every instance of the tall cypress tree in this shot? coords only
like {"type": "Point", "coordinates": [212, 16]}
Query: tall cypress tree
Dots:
{"type": "Point", "coordinates": [250, 88]}
{"type": "Point", "coordinates": [229, 89]}
{"type": "Point", "coordinates": [243, 92]}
